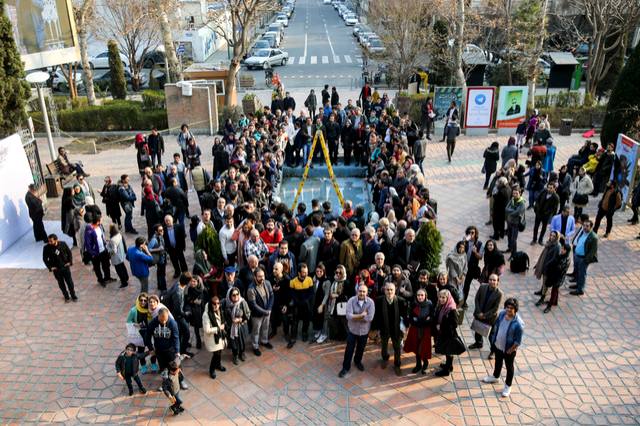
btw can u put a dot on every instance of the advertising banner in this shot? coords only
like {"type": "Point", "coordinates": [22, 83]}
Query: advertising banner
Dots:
{"type": "Point", "coordinates": [625, 174]}
{"type": "Point", "coordinates": [512, 106]}
{"type": "Point", "coordinates": [479, 107]}
{"type": "Point", "coordinates": [44, 31]}
{"type": "Point", "coordinates": [442, 100]}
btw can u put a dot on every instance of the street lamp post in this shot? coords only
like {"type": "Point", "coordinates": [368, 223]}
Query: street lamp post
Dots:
{"type": "Point", "coordinates": [38, 79]}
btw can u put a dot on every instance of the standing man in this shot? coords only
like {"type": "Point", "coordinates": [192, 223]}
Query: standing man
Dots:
{"type": "Point", "coordinates": [166, 341]}
{"type": "Point", "coordinates": [140, 260]}
{"type": "Point", "coordinates": [564, 223]}
{"type": "Point", "coordinates": [301, 292]}
{"type": "Point", "coordinates": [333, 134]}
{"type": "Point", "coordinates": [326, 96]}
{"type": "Point", "coordinates": [514, 213]}
{"type": "Point", "coordinates": [156, 147]}
{"type": "Point", "coordinates": [389, 310]}
{"type": "Point", "coordinates": [360, 312]}
{"type": "Point", "coordinates": [488, 300]}
{"type": "Point", "coordinates": [174, 299]}
{"type": "Point", "coordinates": [58, 259]}
{"type": "Point", "coordinates": [260, 300]}
{"type": "Point", "coordinates": [178, 199]}
{"type": "Point", "coordinates": [174, 244]}
{"type": "Point", "coordinates": [127, 201]}
{"type": "Point", "coordinates": [311, 103]}
{"type": "Point", "coordinates": [36, 213]}
{"type": "Point", "coordinates": [96, 245]}
{"type": "Point", "coordinates": [545, 207]}
{"type": "Point", "coordinates": [289, 103]}
{"type": "Point", "coordinates": [585, 253]}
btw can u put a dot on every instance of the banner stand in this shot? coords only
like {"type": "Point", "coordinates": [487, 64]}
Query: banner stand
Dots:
{"type": "Point", "coordinates": [476, 131]}
{"type": "Point", "coordinates": [506, 131]}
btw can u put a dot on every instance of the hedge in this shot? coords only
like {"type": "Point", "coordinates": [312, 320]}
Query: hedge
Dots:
{"type": "Point", "coordinates": [112, 116]}
{"type": "Point", "coordinates": [582, 118]}
{"type": "Point", "coordinates": [153, 99]}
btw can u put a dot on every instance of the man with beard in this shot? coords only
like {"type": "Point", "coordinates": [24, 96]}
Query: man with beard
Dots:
{"type": "Point", "coordinates": [329, 251]}
{"type": "Point", "coordinates": [301, 291]}
{"type": "Point", "coordinates": [285, 257]}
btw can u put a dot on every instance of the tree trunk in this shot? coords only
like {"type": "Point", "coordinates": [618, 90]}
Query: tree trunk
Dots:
{"type": "Point", "coordinates": [458, 45]}
{"type": "Point", "coordinates": [509, 59]}
{"type": "Point", "coordinates": [534, 71]}
{"type": "Point", "coordinates": [231, 92]}
{"type": "Point", "coordinates": [84, 58]}
{"type": "Point", "coordinates": [175, 73]}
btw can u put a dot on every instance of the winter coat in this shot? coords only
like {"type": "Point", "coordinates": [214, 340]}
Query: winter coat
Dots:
{"type": "Point", "coordinates": [491, 157]}
{"type": "Point", "coordinates": [213, 338]}
{"type": "Point", "coordinates": [117, 249]}
{"type": "Point", "coordinates": [447, 341]}
{"type": "Point", "coordinates": [581, 185]}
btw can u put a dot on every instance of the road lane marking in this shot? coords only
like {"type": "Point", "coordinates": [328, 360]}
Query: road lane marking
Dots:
{"type": "Point", "coordinates": [291, 60]}
{"type": "Point", "coordinates": [347, 59]}
{"type": "Point", "coordinates": [329, 40]}
{"type": "Point", "coordinates": [359, 60]}
{"type": "Point", "coordinates": [302, 60]}
{"type": "Point", "coordinates": [314, 60]}
{"type": "Point", "coordinates": [336, 59]}
{"type": "Point", "coordinates": [325, 59]}
{"type": "Point", "coordinates": [305, 44]}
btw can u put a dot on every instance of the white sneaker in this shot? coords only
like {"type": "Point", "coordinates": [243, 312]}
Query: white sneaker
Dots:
{"type": "Point", "coordinates": [506, 391]}
{"type": "Point", "coordinates": [321, 339]}
{"type": "Point", "coordinates": [316, 335]}
{"type": "Point", "coordinates": [490, 379]}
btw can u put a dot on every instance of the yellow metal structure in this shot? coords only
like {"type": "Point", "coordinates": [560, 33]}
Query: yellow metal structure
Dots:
{"type": "Point", "coordinates": [318, 137]}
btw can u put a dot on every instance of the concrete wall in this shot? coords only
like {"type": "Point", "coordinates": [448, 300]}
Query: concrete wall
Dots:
{"type": "Point", "coordinates": [199, 111]}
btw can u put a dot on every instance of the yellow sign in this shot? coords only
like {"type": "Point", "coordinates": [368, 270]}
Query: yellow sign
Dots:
{"type": "Point", "coordinates": [318, 137]}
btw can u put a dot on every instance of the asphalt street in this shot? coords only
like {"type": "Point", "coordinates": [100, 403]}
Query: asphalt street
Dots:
{"type": "Point", "coordinates": [322, 50]}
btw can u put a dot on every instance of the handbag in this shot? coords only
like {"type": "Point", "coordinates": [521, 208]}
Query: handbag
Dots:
{"type": "Point", "coordinates": [522, 225]}
{"type": "Point", "coordinates": [460, 315]}
{"type": "Point", "coordinates": [581, 199]}
{"type": "Point", "coordinates": [480, 327]}
{"type": "Point", "coordinates": [341, 309]}
{"type": "Point", "coordinates": [432, 115]}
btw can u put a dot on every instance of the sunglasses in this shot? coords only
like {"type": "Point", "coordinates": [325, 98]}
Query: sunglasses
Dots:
{"type": "Point", "coordinates": [143, 300]}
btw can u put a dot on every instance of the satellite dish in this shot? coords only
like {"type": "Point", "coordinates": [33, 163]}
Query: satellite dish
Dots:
{"type": "Point", "coordinates": [37, 77]}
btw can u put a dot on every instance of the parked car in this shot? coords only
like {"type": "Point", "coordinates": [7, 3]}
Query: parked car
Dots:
{"type": "Point", "coordinates": [260, 44]}
{"type": "Point", "coordinates": [326, 1]}
{"type": "Point", "coordinates": [277, 27]}
{"type": "Point", "coordinates": [266, 57]}
{"type": "Point", "coordinates": [363, 37]}
{"type": "Point", "coordinates": [153, 58]}
{"type": "Point", "coordinates": [102, 60]}
{"type": "Point", "coordinates": [337, 3]}
{"type": "Point", "coordinates": [103, 82]}
{"type": "Point", "coordinates": [374, 45]}
{"type": "Point", "coordinates": [351, 19]}
{"type": "Point", "coordinates": [283, 19]}
{"type": "Point", "coordinates": [359, 27]}
{"type": "Point", "coordinates": [276, 34]}
{"type": "Point", "coordinates": [59, 81]}
{"type": "Point", "coordinates": [271, 39]}
{"type": "Point", "coordinates": [343, 10]}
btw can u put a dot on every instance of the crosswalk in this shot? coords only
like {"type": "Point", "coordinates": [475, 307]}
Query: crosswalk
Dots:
{"type": "Point", "coordinates": [314, 60]}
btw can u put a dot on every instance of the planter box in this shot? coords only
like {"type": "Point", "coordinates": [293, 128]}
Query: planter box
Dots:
{"type": "Point", "coordinates": [247, 80]}
{"type": "Point", "coordinates": [250, 106]}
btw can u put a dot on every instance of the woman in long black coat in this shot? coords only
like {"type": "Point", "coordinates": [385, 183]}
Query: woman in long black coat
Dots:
{"type": "Point", "coordinates": [448, 342]}
{"type": "Point", "coordinates": [500, 200]}
{"type": "Point", "coordinates": [491, 156]}
{"type": "Point", "coordinates": [193, 299]}
{"type": "Point", "coordinates": [556, 273]}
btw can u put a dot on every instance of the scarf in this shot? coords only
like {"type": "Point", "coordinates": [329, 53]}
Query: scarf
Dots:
{"type": "Point", "coordinates": [449, 305]}
{"type": "Point", "coordinates": [459, 260]}
{"type": "Point", "coordinates": [201, 263]}
{"type": "Point", "coordinates": [78, 197]}
{"type": "Point", "coordinates": [236, 312]}
{"type": "Point", "coordinates": [141, 310]}
{"type": "Point", "coordinates": [212, 316]}
{"type": "Point", "coordinates": [149, 195]}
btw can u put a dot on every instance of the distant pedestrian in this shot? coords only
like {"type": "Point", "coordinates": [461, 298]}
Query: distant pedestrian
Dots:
{"type": "Point", "coordinates": [156, 146]}
{"type": "Point", "coordinates": [58, 259]}
{"type": "Point", "coordinates": [36, 213]}
{"type": "Point", "coordinates": [311, 103]}
{"type": "Point", "coordinates": [584, 254]}
{"type": "Point", "coordinates": [491, 156]}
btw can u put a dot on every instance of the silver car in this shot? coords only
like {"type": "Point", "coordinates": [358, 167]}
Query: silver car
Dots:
{"type": "Point", "coordinates": [267, 58]}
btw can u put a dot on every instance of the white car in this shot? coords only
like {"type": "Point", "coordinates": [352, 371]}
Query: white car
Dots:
{"type": "Point", "coordinates": [267, 57]}
{"type": "Point", "coordinates": [60, 83]}
{"type": "Point", "coordinates": [351, 19]}
{"type": "Point", "coordinates": [326, 1]}
{"type": "Point", "coordinates": [282, 19]}
{"type": "Point", "coordinates": [275, 34]}
{"type": "Point", "coordinates": [102, 60]}
{"type": "Point", "coordinates": [374, 45]}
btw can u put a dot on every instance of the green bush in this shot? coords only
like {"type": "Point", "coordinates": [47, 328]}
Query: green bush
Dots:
{"type": "Point", "coordinates": [582, 117]}
{"type": "Point", "coordinates": [431, 240]}
{"type": "Point", "coordinates": [115, 115]}
{"type": "Point", "coordinates": [118, 82]}
{"type": "Point", "coordinates": [153, 99]}
{"type": "Point", "coordinates": [560, 100]}
{"type": "Point", "coordinates": [232, 112]}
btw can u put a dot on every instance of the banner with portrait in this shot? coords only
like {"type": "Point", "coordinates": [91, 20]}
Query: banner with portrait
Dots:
{"type": "Point", "coordinates": [626, 165]}
{"type": "Point", "coordinates": [512, 106]}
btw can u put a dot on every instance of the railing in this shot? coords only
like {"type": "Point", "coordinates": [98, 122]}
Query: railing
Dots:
{"type": "Point", "coordinates": [31, 149]}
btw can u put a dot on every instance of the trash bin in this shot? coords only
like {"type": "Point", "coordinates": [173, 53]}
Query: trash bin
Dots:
{"type": "Point", "coordinates": [566, 125]}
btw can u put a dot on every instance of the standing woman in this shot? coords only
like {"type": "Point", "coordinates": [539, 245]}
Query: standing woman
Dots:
{"type": "Point", "coordinates": [321, 285]}
{"type": "Point", "coordinates": [491, 156]}
{"type": "Point", "coordinates": [564, 186]}
{"type": "Point", "coordinates": [506, 338]}
{"type": "Point", "coordinates": [448, 342]}
{"type": "Point", "coordinates": [214, 334]}
{"type": "Point", "coordinates": [117, 250]}
{"type": "Point", "coordinates": [236, 316]}
{"type": "Point", "coordinates": [536, 182]}
{"type": "Point", "coordinates": [580, 189]}
{"type": "Point", "coordinates": [111, 200]}
{"type": "Point", "coordinates": [610, 202]}
{"type": "Point", "coordinates": [419, 336]}
{"type": "Point", "coordinates": [193, 298]}
{"type": "Point", "coordinates": [66, 214]}
{"type": "Point", "coordinates": [493, 261]}
{"type": "Point", "coordinates": [541, 269]}
{"type": "Point", "coordinates": [334, 294]}
{"type": "Point", "coordinates": [500, 197]}
{"type": "Point", "coordinates": [556, 272]}
{"type": "Point", "coordinates": [515, 219]}
{"type": "Point", "coordinates": [457, 266]}
{"type": "Point", "coordinates": [151, 208]}
{"type": "Point", "coordinates": [473, 249]}
{"type": "Point", "coordinates": [137, 320]}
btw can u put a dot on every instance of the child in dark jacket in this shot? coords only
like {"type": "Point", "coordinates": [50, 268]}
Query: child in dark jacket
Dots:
{"type": "Point", "coordinates": [127, 366]}
{"type": "Point", "coordinates": [171, 387]}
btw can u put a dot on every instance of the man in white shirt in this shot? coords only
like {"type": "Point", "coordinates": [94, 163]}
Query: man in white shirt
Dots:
{"type": "Point", "coordinates": [227, 243]}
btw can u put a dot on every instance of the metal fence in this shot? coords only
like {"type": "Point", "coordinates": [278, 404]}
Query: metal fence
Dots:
{"type": "Point", "coordinates": [31, 149]}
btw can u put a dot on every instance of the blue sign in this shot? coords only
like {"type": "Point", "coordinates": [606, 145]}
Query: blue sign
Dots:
{"type": "Point", "coordinates": [480, 99]}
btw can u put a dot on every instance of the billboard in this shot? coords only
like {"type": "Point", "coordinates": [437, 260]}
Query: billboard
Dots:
{"type": "Point", "coordinates": [479, 107]}
{"type": "Point", "coordinates": [442, 100]}
{"type": "Point", "coordinates": [44, 32]}
{"type": "Point", "coordinates": [512, 106]}
{"type": "Point", "coordinates": [624, 175]}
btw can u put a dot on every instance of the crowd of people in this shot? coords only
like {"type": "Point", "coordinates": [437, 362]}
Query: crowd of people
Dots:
{"type": "Point", "coordinates": [321, 273]}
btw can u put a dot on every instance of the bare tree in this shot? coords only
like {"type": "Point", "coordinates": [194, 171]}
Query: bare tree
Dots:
{"type": "Point", "coordinates": [609, 22]}
{"type": "Point", "coordinates": [235, 24]}
{"type": "Point", "coordinates": [161, 7]}
{"type": "Point", "coordinates": [459, 43]}
{"type": "Point", "coordinates": [133, 25]}
{"type": "Point", "coordinates": [404, 35]}
{"type": "Point", "coordinates": [84, 12]}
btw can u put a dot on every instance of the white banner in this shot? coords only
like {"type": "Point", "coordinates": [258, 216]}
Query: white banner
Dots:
{"type": "Point", "coordinates": [479, 107]}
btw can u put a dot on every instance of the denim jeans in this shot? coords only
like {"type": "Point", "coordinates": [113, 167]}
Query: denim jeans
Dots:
{"type": "Point", "coordinates": [357, 344]}
{"type": "Point", "coordinates": [128, 220]}
{"type": "Point", "coordinates": [580, 267]}
{"type": "Point", "coordinates": [306, 149]}
{"type": "Point", "coordinates": [512, 235]}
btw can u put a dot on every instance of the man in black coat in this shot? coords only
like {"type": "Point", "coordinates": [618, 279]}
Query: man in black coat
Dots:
{"type": "Point", "coordinates": [156, 146]}
{"type": "Point", "coordinates": [333, 134]}
{"type": "Point", "coordinates": [329, 252]}
{"type": "Point", "coordinates": [36, 213]}
{"type": "Point", "coordinates": [174, 300]}
{"type": "Point", "coordinates": [390, 310]}
{"type": "Point", "coordinates": [178, 199]}
{"type": "Point", "coordinates": [58, 259]}
{"type": "Point", "coordinates": [174, 244]}
{"type": "Point", "coordinates": [488, 302]}
{"type": "Point", "coordinates": [408, 252]}
{"type": "Point", "coordinates": [546, 206]}
{"type": "Point", "coordinates": [288, 102]}
{"type": "Point", "coordinates": [326, 96]}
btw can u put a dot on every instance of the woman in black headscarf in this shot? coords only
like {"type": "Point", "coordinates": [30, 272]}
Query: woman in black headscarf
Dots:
{"type": "Point", "coordinates": [419, 336]}
{"type": "Point", "coordinates": [493, 261]}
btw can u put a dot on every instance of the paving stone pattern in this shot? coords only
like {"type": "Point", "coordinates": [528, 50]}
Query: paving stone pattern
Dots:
{"type": "Point", "coordinates": [578, 364]}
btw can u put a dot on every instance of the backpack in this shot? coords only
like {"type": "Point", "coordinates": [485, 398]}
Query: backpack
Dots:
{"type": "Point", "coordinates": [519, 262]}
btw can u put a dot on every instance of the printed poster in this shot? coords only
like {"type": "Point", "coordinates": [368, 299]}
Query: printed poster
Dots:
{"type": "Point", "coordinates": [624, 175]}
{"type": "Point", "coordinates": [512, 106]}
{"type": "Point", "coordinates": [442, 100]}
{"type": "Point", "coordinates": [479, 107]}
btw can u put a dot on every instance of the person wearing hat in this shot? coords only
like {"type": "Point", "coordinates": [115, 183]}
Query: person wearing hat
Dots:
{"type": "Point", "coordinates": [229, 280]}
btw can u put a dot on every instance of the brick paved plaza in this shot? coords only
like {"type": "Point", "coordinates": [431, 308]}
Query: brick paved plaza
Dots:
{"type": "Point", "coordinates": [579, 364]}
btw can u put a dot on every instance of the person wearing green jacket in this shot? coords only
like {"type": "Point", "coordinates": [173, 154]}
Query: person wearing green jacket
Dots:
{"type": "Point", "coordinates": [514, 214]}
